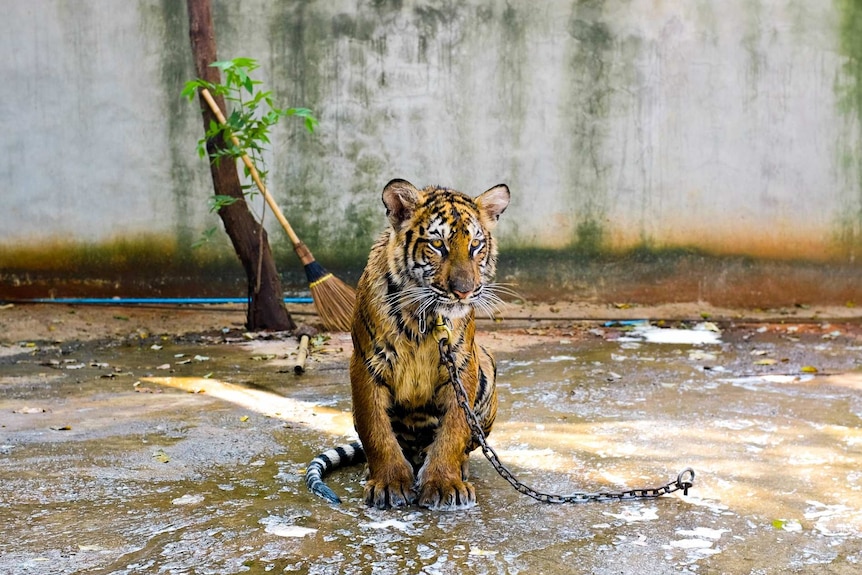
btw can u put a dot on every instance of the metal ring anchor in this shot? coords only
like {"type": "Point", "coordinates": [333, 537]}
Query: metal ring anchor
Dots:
{"type": "Point", "coordinates": [685, 480]}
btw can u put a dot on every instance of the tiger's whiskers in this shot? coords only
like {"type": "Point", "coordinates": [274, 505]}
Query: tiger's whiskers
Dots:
{"type": "Point", "coordinates": [489, 300]}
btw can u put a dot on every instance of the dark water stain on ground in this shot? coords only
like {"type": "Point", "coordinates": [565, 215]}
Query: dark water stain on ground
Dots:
{"type": "Point", "coordinates": [186, 456]}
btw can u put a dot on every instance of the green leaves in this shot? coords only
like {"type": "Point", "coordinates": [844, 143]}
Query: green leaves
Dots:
{"type": "Point", "coordinates": [253, 113]}
{"type": "Point", "coordinates": [252, 116]}
{"type": "Point", "coordinates": [217, 202]}
{"type": "Point", "coordinates": [236, 72]}
{"type": "Point", "coordinates": [306, 114]}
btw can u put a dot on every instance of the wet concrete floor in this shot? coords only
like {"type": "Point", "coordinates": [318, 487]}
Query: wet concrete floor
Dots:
{"type": "Point", "coordinates": [178, 456]}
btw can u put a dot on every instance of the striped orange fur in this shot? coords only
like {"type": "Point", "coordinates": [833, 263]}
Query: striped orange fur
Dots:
{"type": "Point", "coordinates": [438, 258]}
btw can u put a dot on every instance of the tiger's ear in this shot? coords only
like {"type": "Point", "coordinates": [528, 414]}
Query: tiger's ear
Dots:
{"type": "Point", "coordinates": [493, 203]}
{"type": "Point", "coordinates": [400, 198]}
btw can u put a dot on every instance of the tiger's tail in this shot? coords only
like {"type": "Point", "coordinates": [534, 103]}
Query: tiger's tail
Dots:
{"type": "Point", "coordinates": [331, 459]}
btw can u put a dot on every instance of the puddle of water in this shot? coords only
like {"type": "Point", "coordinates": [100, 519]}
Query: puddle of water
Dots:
{"type": "Point", "coordinates": [704, 333]}
{"type": "Point", "coordinates": [198, 468]}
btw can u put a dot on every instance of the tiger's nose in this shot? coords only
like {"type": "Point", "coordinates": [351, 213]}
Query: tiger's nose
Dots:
{"type": "Point", "coordinates": [461, 288]}
{"type": "Point", "coordinates": [462, 294]}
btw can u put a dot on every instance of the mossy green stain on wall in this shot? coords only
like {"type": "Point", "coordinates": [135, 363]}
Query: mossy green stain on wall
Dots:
{"type": "Point", "coordinates": [850, 43]}
{"type": "Point", "coordinates": [591, 64]}
{"type": "Point", "coordinates": [849, 88]}
{"type": "Point", "coordinates": [167, 23]}
{"type": "Point", "coordinates": [297, 45]}
{"type": "Point", "coordinates": [751, 40]}
{"type": "Point", "coordinates": [589, 238]}
{"type": "Point", "coordinates": [513, 22]}
{"type": "Point", "coordinates": [327, 61]}
{"type": "Point", "coordinates": [436, 22]}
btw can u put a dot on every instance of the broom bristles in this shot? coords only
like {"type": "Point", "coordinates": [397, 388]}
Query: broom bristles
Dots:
{"type": "Point", "coordinates": [333, 299]}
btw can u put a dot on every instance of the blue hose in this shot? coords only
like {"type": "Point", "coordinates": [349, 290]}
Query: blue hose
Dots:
{"type": "Point", "coordinates": [157, 300]}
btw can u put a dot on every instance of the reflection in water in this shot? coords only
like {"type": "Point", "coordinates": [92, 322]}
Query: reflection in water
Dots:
{"type": "Point", "coordinates": [265, 402]}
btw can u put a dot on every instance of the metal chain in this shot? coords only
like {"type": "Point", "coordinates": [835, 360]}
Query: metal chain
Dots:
{"type": "Point", "coordinates": [683, 482]}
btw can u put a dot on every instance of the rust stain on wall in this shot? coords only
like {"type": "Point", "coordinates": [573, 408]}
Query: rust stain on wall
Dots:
{"type": "Point", "coordinates": [155, 267]}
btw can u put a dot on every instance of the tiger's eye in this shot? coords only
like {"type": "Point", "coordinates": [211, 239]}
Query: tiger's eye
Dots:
{"type": "Point", "coordinates": [475, 243]}
{"type": "Point", "coordinates": [437, 243]}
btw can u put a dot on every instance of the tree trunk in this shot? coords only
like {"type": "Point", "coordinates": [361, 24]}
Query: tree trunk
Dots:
{"type": "Point", "coordinates": [266, 309]}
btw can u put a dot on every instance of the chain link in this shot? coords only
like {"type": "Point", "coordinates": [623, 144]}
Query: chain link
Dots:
{"type": "Point", "coordinates": [683, 482]}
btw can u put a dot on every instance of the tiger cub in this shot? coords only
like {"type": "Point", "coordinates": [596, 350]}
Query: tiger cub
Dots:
{"type": "Point", "coordinates": [438, 258]}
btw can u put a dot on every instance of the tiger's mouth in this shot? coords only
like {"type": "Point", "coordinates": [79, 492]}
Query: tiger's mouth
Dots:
{"type": "Point", "coordinates": [457, 304]}
{"type": "Point", "coordinates": [455, 308]}
{"type": "Point", "coordinates": [438, 301]}
{"type": "Point", "coordinates": [426, 300]}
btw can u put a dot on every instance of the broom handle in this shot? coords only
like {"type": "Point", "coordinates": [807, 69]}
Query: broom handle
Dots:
{"type": "Point", "coordinates": [256, 177]}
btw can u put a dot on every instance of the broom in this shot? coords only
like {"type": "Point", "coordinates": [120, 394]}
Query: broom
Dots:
{"type": "Point", "coordinates": [333, 298]}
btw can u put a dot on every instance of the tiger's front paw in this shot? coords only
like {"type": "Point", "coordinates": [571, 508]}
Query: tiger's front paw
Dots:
{"type": "Point", "coordinates": [442, 495]}
{"type": "Point", "coordinates": [390, 490]}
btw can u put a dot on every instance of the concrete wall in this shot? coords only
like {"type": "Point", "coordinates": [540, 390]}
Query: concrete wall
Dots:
{"type": "Point", "coordinates": [728, 126]}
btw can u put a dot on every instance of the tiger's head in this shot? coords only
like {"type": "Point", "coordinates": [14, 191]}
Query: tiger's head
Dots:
{"type": "Point", "coordinates": [442, 256]}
